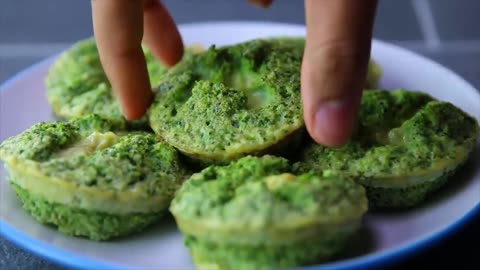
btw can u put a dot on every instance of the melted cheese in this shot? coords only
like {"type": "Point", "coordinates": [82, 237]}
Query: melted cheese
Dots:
{"type": "Point", "coordinates": [276, 181]}
{"type": "Point", "coordinates": [96, 141]}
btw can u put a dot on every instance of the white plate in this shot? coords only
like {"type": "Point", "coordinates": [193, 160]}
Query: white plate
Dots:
{"type": "Point", "coordinates": [386, 236]}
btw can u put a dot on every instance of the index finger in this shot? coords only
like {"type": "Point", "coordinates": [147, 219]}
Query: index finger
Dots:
{"type": "Point", "coordinates": [118, 30]}
{"type": "Point", "coordinates": [334, 66]}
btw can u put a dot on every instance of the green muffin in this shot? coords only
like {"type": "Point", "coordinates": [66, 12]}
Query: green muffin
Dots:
{"type": "Point", "coordinates": [77, 85]}
{"type": "Point", "coordinates": [406, 146]}
{"type": "Point", "coordinates": [256, 214]}
{"type": "Point", "coordinates": [231, 101]}
{"type": "Point", "coordinates": [88, 180]}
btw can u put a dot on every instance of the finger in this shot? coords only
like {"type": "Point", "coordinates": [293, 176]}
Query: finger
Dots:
{"type": "Point", "coordinates": [335, 64]}
{"type": "Point", "coordinates": [261, 3]}
{"type": "Point", "coordinates": [161, 33]}
{"type": "Point", "coordinates": [118, 29]}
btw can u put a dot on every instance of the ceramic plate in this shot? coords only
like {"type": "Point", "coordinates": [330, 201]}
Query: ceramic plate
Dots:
{"type": "Point", "coordinates": [385, 237]}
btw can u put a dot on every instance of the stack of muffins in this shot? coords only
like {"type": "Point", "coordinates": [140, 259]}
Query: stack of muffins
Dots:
{"type": "Point", "coordinates": [224, 149]}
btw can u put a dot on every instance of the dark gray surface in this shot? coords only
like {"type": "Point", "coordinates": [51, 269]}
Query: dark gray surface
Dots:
{"type": "Point", "coordinates": [27, 21]}
{"type": "Point", "coordinates": [12, 257]}
{"type": "Point", "coordinates": [464, 13]}
{"type": "Point", "coordinates": [466, 64]}
{"type": "Point", "coordinates": [396, 20]}
{"type": "Point", "coordinates": [65, 21]}
{"type": "Point", "coordinates": [44, 21]}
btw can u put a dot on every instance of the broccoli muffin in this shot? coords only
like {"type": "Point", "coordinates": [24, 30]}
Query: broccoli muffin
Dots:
{"type": "Point", "coordinates": [256, 214]}
{"type": "Point", "coordinates": [88, 180]}
{"type": "Point", "coordinates": [406, 146]}
{"type": "Point", "coordinates": [231, 101]}
{"type": "Point", "coordinates": [77, 84]}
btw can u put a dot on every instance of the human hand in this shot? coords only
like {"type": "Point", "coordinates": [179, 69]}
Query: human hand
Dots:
{"type": "Point", "coordinates": [335, 65]}
{"type": "Point", "coordinates": [119, 27]}
{"type": "Point", "coordinates": [333, 71]}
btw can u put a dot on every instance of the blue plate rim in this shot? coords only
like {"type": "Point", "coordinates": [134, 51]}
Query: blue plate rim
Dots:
{"type": "Point", "coordinates": [381, 259]}
{"type": "Point", "coordinates": [375, 260]}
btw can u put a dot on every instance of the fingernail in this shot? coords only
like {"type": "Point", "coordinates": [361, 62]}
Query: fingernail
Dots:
{"type": "Point", "coordinates": [334, 120]}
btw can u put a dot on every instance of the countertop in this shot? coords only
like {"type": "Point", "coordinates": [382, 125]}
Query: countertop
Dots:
{"type": "Point", "coordinates": [442, 30]}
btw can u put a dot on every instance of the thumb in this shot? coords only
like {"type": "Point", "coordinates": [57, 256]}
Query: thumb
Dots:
{"type": "Point", "coordinates": [335, 65]}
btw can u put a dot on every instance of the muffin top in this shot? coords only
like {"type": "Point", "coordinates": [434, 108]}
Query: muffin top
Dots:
{"type": "Point", "coordinates": [374, 70]}
{"type": "Point", "coordinates": [401, 137]}
{"type": "Point", "coordinates": [260, 199]}
{"type": "Point", "coordinates": [88, 158]}
{"type": "Point", "coordinates": [230, 101]}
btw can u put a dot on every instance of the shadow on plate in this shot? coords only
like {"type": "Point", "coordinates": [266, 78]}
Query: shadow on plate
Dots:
{"type": "Point", "coordinates": [360, 244]}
